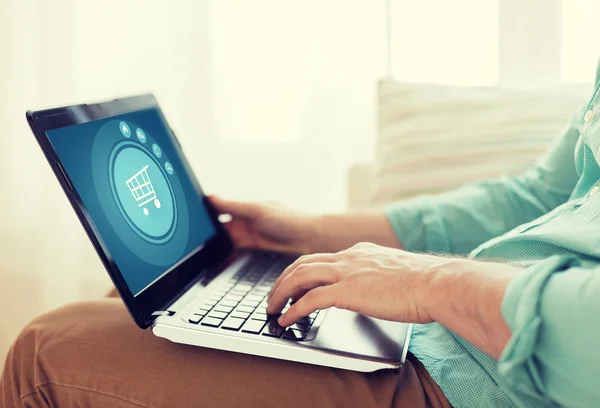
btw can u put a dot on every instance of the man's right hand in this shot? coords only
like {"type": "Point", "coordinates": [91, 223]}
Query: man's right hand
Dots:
{"type": "Point", "coordinates": [269, 226]}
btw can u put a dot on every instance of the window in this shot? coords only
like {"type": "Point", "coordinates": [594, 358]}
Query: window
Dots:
{"type": "Point", "coordinates": [452, 42]}
{"type": "Point", "coordinates": [295, 71]}
{"type": "Point", "coordinates": [580, 39]}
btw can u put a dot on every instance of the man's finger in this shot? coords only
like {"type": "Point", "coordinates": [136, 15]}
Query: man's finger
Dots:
{"type": "Point", "coordinates": [319, 298]}
{"type": "Point", "coordinates": [313, 275]}
{"type": "Point", "coordinates": [300, 261]}
{"type": "Point", "coordinates": [294, 298]}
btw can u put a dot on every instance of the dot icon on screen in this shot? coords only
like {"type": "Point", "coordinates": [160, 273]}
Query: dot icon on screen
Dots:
{"type": "Point", "coordinates": [169, 168]}
{"type": "Point", "coordinates": [124, 128]}
{"type": "Point", "coordinates": [140, 135]}
{"type": "Point", "coordinates": [156, 150]}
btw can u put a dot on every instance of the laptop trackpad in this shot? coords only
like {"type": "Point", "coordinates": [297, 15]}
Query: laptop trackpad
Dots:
{"type": "Point", "coordinates": [350, 332]}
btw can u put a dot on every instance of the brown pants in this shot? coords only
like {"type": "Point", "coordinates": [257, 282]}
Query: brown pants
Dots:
{"type": "Point", "coordinates": [93, 355]}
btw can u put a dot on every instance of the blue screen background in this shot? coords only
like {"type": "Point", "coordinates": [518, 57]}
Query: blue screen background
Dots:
{"type": "Point", "coordinates": [84, 152]}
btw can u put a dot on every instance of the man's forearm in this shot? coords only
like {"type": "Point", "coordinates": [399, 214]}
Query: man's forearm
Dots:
{"type": "Point", "coordinates": [466, 296]}
{"type": "Point", "coordinates": [337, 232]}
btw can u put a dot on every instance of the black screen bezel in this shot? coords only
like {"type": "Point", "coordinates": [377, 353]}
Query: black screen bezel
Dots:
{"type": "Point", "coordinates": [160, 295]}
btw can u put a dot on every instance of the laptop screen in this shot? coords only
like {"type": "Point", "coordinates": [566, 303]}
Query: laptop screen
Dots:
{"type": "Point", "coordinates": [136, 190]}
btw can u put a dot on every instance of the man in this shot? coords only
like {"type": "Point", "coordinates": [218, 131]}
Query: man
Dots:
{"type": "Point", "coordinates": [513, 322]}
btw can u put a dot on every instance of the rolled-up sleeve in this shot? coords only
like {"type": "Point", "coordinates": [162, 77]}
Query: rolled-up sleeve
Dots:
{"type": "Point", "coordinates": [553, 310]}
{"type": "Point", "coordinates": [459, 221]}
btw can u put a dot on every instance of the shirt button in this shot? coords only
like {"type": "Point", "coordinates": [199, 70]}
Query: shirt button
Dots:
{"type": "Point", "coordinates": [588, 116]}
{"type": "Point", "coordinates": [594, 190]}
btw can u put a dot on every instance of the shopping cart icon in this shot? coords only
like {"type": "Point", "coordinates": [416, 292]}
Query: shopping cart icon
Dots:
{"type": "Point", "coordinates": [141, 187]}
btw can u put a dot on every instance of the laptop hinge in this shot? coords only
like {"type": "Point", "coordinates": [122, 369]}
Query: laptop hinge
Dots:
{"type": "Point", "coordinates": [163, 313]}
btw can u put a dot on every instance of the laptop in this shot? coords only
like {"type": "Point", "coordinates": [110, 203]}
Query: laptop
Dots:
{"type": "Point", "coordinates": [171, 260]}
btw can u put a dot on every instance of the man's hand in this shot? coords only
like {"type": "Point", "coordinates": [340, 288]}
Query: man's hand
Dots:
{"type": "Point", "coordinates": [271, 226]}
{"type": "Point", "coordinates": [463, 295]}
{"type": "Point", "coordinates": [373, 280]}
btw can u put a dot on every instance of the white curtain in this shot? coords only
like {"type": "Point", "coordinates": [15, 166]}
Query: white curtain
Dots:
{"type": "Point", "coordinates": [68, 51]}
{"type": "Point", "coordinates": [267, 99]}
{"type": "Point", "coordinates": [271, 99]}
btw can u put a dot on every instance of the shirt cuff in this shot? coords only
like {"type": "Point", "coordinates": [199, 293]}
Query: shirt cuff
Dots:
{"type": "Point", "coordinates": [521, 311]}
{"type": "Point", "coordinates": [418, 225]}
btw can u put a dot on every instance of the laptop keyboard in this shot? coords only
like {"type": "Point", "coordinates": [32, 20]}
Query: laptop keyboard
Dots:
{"type": "Point", "coordinates": [241, 304]}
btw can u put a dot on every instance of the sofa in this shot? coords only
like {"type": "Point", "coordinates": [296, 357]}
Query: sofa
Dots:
{"type": "Point", "coordinates": [431, 138]}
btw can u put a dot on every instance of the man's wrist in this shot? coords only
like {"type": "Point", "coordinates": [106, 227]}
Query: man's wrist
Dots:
{"type": "Point", "coordinates": [466, 297]}
{"type": "Point", "coordinates": [316, 236]}
{"type": "Point", "coordinates": [440, 280]}
{"type": "Point", "coordinates": [454, 279]}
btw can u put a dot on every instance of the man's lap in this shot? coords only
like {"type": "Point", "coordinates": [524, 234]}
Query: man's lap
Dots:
{"type": "Point", "coordinates": [92, 354]}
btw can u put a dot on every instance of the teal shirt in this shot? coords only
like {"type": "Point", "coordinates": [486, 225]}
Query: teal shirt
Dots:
{"type": "Point", "coordinates": [548, 220]}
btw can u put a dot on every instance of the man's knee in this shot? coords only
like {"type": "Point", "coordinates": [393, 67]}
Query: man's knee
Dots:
{"type": "Point", "coordinates": [48, 326]}
{"type": "Point", "coordinates": [21, 370]}
{"type": "Point", "coordinates": [59, 348]}
{"type": "Point", "coordinates": [51, 326]}
{"type": "Point", "coordinates": [49, 334]}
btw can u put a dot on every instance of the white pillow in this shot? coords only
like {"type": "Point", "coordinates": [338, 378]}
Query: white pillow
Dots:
{"type": "Point", "coordinates": [435, 137]}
